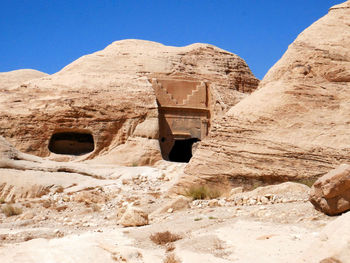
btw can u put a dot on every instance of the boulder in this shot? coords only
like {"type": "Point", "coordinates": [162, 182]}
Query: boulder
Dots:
{"type": "Point", "coordinates": [121, 105]}
{"type": "Point", "coordinates": [295, 126]}
{"type": "Point", "coordinates": [332, 244]}
{"type": "Point", "coordinates": [134, 217]}
{"type": "Point", "coordinates": [331, 193]}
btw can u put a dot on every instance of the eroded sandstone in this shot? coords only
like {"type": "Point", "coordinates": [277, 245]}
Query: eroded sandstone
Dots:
{"type": "Point", "coordinates": [295, 126]}
{"type": "Point", "coordinates": [120, 104]}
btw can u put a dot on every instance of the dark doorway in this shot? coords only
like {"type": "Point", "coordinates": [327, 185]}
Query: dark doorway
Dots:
{"type": "Point", "coordinates": [72, 143]}
{"type": "Point", "coordinates": [182, 150]}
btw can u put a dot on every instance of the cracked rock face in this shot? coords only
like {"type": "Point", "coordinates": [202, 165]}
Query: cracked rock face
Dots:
{"type": "Point", "coordinates": [296, 124]}
{"type": "Point", "coordinates": [103, 106]}
{"type": "Point", "coordinates": [330, 193]}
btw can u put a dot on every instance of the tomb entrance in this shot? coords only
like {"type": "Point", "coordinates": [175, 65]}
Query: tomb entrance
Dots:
{"type": "Point", "coordinates": [184, 116]}
{"type": "Point", "coordinates": [71, 143]}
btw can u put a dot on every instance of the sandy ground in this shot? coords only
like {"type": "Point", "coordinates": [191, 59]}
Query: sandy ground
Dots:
{"type": "Point", "coordinates": [76, 220]}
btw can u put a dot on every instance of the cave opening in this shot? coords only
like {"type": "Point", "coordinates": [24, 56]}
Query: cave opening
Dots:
{"type": "Point", "coordinates": [182, 150]}
{"type": "Point", "coordinates": [71, 143]}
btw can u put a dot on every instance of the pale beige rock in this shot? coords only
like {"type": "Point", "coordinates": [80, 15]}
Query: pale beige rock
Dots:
{"type": "Point", "coordinates": [179, 203]}
{"type": "Point", "coordinates": [288, 189]}
{"type": "Point", "coordinates": [333, 243]}
{"type": "Point", "coordinates": [134, 217]}
{"type": "Point", "coordinates": [331, 193]}
{"type": "Point", "coordinates": [295, 125]}
{"type": "Point", "coordinates": [27, 176]}
{"type": "Point", "coordinates": [17, 77]}
{"type": "Point", "coordinates": [236, 190]}
{"type": "Point", "coordinates": [109, 94]}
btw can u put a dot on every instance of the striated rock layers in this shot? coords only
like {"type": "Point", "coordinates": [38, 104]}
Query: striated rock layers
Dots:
{"type": "Point", "coordinates": [104, 105]}
{"type": "Point", "coordinates": [295, 126]}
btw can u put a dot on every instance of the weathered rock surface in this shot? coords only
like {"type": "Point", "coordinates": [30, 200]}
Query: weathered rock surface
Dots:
{"type": "Point", "coordinates": [296, 124]}
{"type": "Point", "coordinates": [287, 190]}
{"type": "Point", "coordinates": [104, 105]}
{"type": "Point", "coordinates": [332, 244]}
{"type": "Point", "coordinates": [134, 217]}
{"type": "Point", "coordinates": [331, 193]}
{"type": "Point", "coordinates": [17, 77]}
{"type": "Point", "coordinates": [179, 203]}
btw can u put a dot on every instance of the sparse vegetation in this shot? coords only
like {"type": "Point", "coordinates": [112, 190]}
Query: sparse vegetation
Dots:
{"type": "Point", "coordinates": [28, 237]}
{"type": "Point", "coordinates": [134, 164]}
{"type": "Point", "coordinates": [60, 208]}
{"type": "Point", "coordinates": [169, 247]}
{"type": "Point", "coordinates": [96, 208]}
{"type": "Point", "coordinates": [46, 203]}
{"type": "Point", "coordinates": [308, 181]}
{"type": "Point", "coordinates": [198, 219]}
{"type": "Point", "coordinates": [212, 217]}
{"type": "Point", "coordinates": [171, 258]}
{"type": "Point", "coordinates": [202, 192]}
{"type": "Point", "coordinates": [255, 184]}
{"type": "Point", "coordinates": [10, 210]}
{"type": "Point", "coordinates": [59, 189]}
{"type": "Point", "coordinates": [163, 238]}
{"type": "Point", "coordinates": [2, 200]}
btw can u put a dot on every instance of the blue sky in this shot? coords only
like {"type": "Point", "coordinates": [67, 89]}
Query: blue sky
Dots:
{"type": "Point", "coordinates": [49, 34]}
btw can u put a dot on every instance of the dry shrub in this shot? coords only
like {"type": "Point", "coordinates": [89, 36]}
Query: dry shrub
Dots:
{"type": "Point", "coordinates": [60, 208]}
{"type": "Point", "coordinates": [170, 247]}
{"type": "Point", "coordinates": [28, 237]}
{"type": "Point", "coordinates": [46, 203]}
{"type": "Point", "coordinates": [90, 197]}
{"type": "Point", "coordinates": [202, 192]}
{"type": "Point", "coordinates": [2, 200]}
{"type": "Point", "coordinates": [162, 238]}
{"type": "Point", "coordinates": [171, 258]}
{"type": "Point", "coordinates": [60, 189]}
{"type": "Point", "coordinates": [28, 205]}
{"type": "Point", "coordinates": [330, 260]}
{"type": "Point", "coordinates": [10, 210]}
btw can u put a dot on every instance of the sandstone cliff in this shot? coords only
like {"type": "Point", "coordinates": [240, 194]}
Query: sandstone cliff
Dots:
{"type": "Point", "coordinates": [296, 125]}
{"type": "Point", "coordinates": [104, 105]}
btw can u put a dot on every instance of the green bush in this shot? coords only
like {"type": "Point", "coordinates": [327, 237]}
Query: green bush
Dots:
{"type": "Point", "coordinates": [202, 192]}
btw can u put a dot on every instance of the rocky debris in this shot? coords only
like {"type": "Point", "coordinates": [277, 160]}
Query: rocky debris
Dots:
{"type": "Point", "coordinates": [242, 200]}
{"type": "Point", "coordinates": [179, 203]}
{"type": "Point", "coordinates": [289, 190]}
{"type": "Point", "coordinates": [134, 217]}
{"type": "Point", "coordinates": [71, 104]}
{"type": "Point", "coordinates": [272, 135]}
{"type": "Point", "coordinates": [332, 244]}
{"type": "Point", "coordinates": [331, 193]}
{"type": "Point", "coordinates": [127, 254]}
{"type": "Point", "coordinates": [273, 194]}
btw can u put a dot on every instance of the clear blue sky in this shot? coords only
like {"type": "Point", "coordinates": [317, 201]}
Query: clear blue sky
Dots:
{"type": "Point", "coordinates": [48, 34]}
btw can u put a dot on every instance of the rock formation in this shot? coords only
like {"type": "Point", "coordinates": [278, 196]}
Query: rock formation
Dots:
{"type": "Point", "coordinates": [125, 103]}
{"type": "Point", "coordinates": [332, 244]}
{"type": "Point", "coordinates": [296, 124]}
{"type": "Point", "coordinates": [331, 193]}
{"type": "Point", "coordinates": [17, 77]}
{"type": "Point", "coordinates": [134, 217]}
